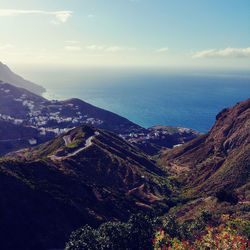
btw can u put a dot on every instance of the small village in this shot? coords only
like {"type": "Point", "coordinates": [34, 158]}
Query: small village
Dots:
{"type": "Point", "coordinates": [47, 117]}
{"type": "Point", "coordinates": [55, 117]}
{"type": "Point", "coordinates": [154, 134]}
{"type": "Point", "coordinates": [49, 120]}
{"type": "Point", "coordinates": [142, 137]}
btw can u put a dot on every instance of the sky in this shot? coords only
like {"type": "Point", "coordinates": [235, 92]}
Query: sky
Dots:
{"type": "Point", "coordinates": [155, 33]}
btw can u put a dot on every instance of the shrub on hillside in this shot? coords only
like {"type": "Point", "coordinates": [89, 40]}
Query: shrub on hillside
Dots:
{"type": "Point", "coordinates": [136, 234]}
{"type": "Point", "coordinates": [227, 195]}
{"type": "Point", "coordinates": [188, 229]}
{"type": "Point", "coordinates": [241, 226]}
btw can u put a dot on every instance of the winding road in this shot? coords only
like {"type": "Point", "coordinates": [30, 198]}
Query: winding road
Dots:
{"type": "Point", "coordinates": [67, 141]}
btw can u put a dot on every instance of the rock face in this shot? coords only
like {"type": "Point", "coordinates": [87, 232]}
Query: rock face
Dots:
{"type": "Point", "coordinates": [6, 75]}
{"type": "Point", "coordinates": [219, 159]}
{"type": "Point", "coordinates": [44, 198]}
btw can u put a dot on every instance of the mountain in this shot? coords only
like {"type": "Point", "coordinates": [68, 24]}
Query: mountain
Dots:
{"type": "Point", "coordinates": [20, 106]}
{"type": "Point", "coordinates": [6, 75]}
{"type": "Point", "coordinates": [87, 175]}
{"type": "Point", "coordinates": [218, 160]}
{"type": "Point", "coordinates": [36, 111]}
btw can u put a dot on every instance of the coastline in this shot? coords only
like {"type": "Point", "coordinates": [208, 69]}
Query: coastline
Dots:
{"type": "Point", "coordinates": [50, 95]}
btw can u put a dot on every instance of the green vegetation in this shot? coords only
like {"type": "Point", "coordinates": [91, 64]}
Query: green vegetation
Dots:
{"type": "Point", "coordinates": [74, 144]}
{"type": "Point", "coordinates": [241, 226]}
{"type": "Point", "coordinates": [135, 234]}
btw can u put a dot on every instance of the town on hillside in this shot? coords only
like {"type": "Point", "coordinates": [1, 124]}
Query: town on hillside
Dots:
{"type": "Point", "coordinates": [57, 117]}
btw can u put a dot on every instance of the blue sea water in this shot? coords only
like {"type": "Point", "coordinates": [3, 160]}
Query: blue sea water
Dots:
{"type": "Point", "coordinates": [150, 97]}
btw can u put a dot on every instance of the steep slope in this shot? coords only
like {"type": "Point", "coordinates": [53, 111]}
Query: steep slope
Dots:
{"type": "Point", "coordinates": [6, 75]}
{"type": "Point", "coordinates": [86, 176]}
{"type": "Point", "coordinates": [218, 159]}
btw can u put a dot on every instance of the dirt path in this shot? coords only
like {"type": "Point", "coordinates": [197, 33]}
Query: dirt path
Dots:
{"type": "Point", "coordinates": [67, 140]}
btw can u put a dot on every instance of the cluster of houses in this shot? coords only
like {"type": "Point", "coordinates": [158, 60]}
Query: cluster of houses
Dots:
{"type": "Point", "coordinates": [5, 90]}
{"type": "Point", "coordinates": [143, 137]}
{"type": "Point", "coordinates": [58, 118]}
{"type": "Point", "coordinates": [11, 119]}
{"type": "Point", "coordinates": [46, 119]}
{"type": "Point", "coordinates": [151, 134]}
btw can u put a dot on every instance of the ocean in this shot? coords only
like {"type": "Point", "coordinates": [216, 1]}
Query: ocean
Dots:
{"type": "Point", "coordinates": [148, 97]}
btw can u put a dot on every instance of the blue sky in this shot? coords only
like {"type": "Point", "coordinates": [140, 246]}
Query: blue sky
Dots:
{"type": "Point", "coordinates": [159, 33]}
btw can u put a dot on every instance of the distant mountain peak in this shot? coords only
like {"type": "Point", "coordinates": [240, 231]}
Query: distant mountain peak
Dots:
{"type": "Point", "coordinates": [6, 75]}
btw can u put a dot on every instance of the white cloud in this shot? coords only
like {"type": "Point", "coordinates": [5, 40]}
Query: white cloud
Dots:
{"type": "Point", "coordinates": [224, 53]}
{"type": "Point", "coordinates": [55, 22]}
{"type": "Point", "coordinates": [11, 52]}
{"type": "Point", "coordinates": [5, 47]}
{"type": "Point", "coordinates": [95, 47]}
{"type": "Point", "coordinates": [72, 42]}
{"type": "Point", "coordinates": [72, 48]}
{"type": "Point", "coordinates": [162, 50]}
{"type": "Point", "coordinates": [115, 49]}
{"type": "Point", "coordinates": [91, 16]}
{"type": "Point", "coordinates": [109, 48]}
{"type": "Point", "coordinates": [61, 16]}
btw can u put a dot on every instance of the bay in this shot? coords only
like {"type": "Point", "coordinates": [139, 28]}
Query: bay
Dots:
{"type": "Point", "coordinates": [149, 97]}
